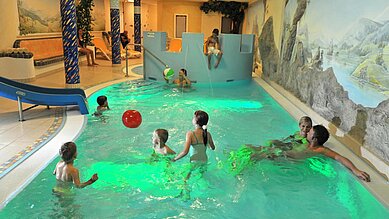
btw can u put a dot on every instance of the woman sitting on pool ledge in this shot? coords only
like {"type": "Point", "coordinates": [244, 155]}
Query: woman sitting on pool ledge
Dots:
{"type": "Point", "coordinates": [316, 137]}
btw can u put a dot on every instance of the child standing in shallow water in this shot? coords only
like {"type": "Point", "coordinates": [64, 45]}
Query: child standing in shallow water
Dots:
{"type": "Point", "coordinates": [160, 137]}
{"type": "Point", "coordinates": [65, 172]}
{"type": "Point", "coordinates": [198, 140]}
{"type": "Point", "coordinates": [196, 144]}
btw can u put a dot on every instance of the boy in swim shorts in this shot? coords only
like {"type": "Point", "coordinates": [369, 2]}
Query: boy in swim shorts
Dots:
{"type": "Point", "coordinates": [212, 46]}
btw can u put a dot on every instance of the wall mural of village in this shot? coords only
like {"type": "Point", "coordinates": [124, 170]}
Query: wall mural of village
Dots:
{"type": "Point", "coordinates": [44, 16]}
{"type": "Point", "coordinates": [352, 37]}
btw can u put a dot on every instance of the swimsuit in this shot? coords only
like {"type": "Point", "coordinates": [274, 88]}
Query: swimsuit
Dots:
{"type": "Point", "coordinates": [162, 151]}
{"type": "Point", "coordinates": [198, 151]}
{"type": "Point", "coordinates": [213, 50]}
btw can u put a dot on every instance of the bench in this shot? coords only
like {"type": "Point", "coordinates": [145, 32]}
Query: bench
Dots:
{"type": "Point", "coordinates": [46, 50]}
{"type": "Point", "coordinates": [104, 46]}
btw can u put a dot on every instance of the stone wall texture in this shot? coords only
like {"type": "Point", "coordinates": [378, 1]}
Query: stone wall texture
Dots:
{"type": "Point", "coordinates": [320, 90]}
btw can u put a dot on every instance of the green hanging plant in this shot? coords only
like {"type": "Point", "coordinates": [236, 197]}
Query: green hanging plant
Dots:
{"type": "Point", "coordinates": [84, 19]}
{"type": "Point", "coordinates": [232, 10]}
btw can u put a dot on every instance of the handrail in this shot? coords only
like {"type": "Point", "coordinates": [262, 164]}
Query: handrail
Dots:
{"type": "Point", "coordinates": [134, 44]}
{"type": "Point", "coordinates": [152, 54]}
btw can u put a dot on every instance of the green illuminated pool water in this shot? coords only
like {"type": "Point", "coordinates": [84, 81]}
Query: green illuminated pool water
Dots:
{"type": "Point", "coordinates": [132, 185]}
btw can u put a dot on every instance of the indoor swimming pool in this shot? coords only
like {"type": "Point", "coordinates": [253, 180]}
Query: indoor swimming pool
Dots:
{"type": "Point", "coordinates": [132, 184]}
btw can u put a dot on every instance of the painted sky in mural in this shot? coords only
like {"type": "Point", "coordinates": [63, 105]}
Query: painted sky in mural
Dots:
{"type": "Point", "coordinates": [39, 16]}
{"type": "Point", "coordinates": [332, 19]}
{"type": "Point", "coordinates": [353, 36]}
{"type": "Point", "coordinates": [43, 16]}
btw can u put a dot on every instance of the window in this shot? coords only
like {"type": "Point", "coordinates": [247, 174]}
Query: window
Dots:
{"type": "Point", "coordinates": [226, 25]}
{"type": "Point", "coordinates": [180, 25]}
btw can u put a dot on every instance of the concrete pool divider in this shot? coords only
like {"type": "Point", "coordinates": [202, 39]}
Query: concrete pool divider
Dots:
{"type": "Point", "coordinates": [19, 177]}
{"type": "Point", "coordinates": [379, 185]}
{"type": "Point", "coordinates": [235, 65]}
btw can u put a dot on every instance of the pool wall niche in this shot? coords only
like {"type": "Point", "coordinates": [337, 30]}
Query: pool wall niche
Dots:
{"type": "Point", "coordinates": [235, 65]}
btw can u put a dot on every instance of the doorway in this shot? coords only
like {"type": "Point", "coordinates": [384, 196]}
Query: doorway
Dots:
{"type": "Point", "coordinates": [180, 24]}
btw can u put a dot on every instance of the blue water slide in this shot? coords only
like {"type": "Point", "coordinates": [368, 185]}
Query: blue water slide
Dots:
{"type": "Point", "coordinates": [43, 96]}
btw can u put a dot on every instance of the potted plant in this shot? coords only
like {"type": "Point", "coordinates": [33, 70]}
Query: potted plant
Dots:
{"type": "Point", "coordinates": [84, 19]}
{"type": "Point", "coordinates": [232, 10]}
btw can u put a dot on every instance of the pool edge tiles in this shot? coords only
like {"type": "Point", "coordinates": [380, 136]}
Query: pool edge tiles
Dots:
{"type": "Point", "coordinates": [378, 185]}
{"type": "Point", "coordinates": [22, 155]}
{"type": "Point", "coordinates": [14, 182]}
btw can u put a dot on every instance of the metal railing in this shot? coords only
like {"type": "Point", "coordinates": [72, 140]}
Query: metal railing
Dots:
{"type": "Point", "coordinates": [145, 49]}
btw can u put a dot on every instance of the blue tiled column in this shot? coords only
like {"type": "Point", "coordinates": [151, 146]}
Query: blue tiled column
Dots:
{"type": "Point", "coordinates": [137, 24]}
{"type": "Point", "coordinates": [69, 40]}
{"type": "Point", "coordinates": [115, 31]}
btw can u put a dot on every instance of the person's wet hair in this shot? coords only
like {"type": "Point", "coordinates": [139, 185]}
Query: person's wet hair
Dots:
{"type": "Point", "coordinates": [162, 134]}
{"type": "Point", "coordinates": [201, 120]}
{"type": "Point", "coordinates": [67, 151]}
{"type": "Point", "coordinates": [101, 100]}
{"type": "Point", "coordinates": [321, 134]}
{"type": "Point", "coordinates": [184, 70]}
{"type": "Point", "coordinates": [216, 31]}
{"type": "Point", "coordinates": [306, 119]}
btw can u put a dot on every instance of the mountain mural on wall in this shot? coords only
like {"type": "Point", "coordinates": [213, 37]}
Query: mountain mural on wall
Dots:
{"type": "Point", "coordinates": [358, 32]}
{"type": "Point", "coordinates": [39, 16]}
{"type": "Point", "coordinates": [354, 43]}
{"type": "Point", "coordinates": [338, 66]}
{"type": "Point", "coordinates": [369, 40]}
{"type": "Point", "coordinates": [43, 16]}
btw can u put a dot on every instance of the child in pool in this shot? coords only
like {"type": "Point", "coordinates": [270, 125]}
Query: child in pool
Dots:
{"type": "Point", "coordinates": [65, 172]}
{"type": "Point", "coordinates": [196, 144]}
{"type": "Point", "coordinates": [245, 155]}
{"type": "Point", "coordinates": [316, 137]}
{"type": "Point", "coordinates": [182, 80]}
{"type": "Point", "coordinates": [313, 146]}
{"type": "Point", "coordinates": [305, 124]}
{"type": "Point", "coordinates": [198, 140]}
{"type": "Point", "coordinates": [160, 137]}
{"type": "Point", "coordinates": [103, 105]}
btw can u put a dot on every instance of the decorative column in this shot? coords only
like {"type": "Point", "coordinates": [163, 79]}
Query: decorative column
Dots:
{"type": "Point", "coordinates": [69, 40]}
{"type": "Point", "coordinates": [137, 24]}
{"type": "Point", "coordinates": [115, 31]}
